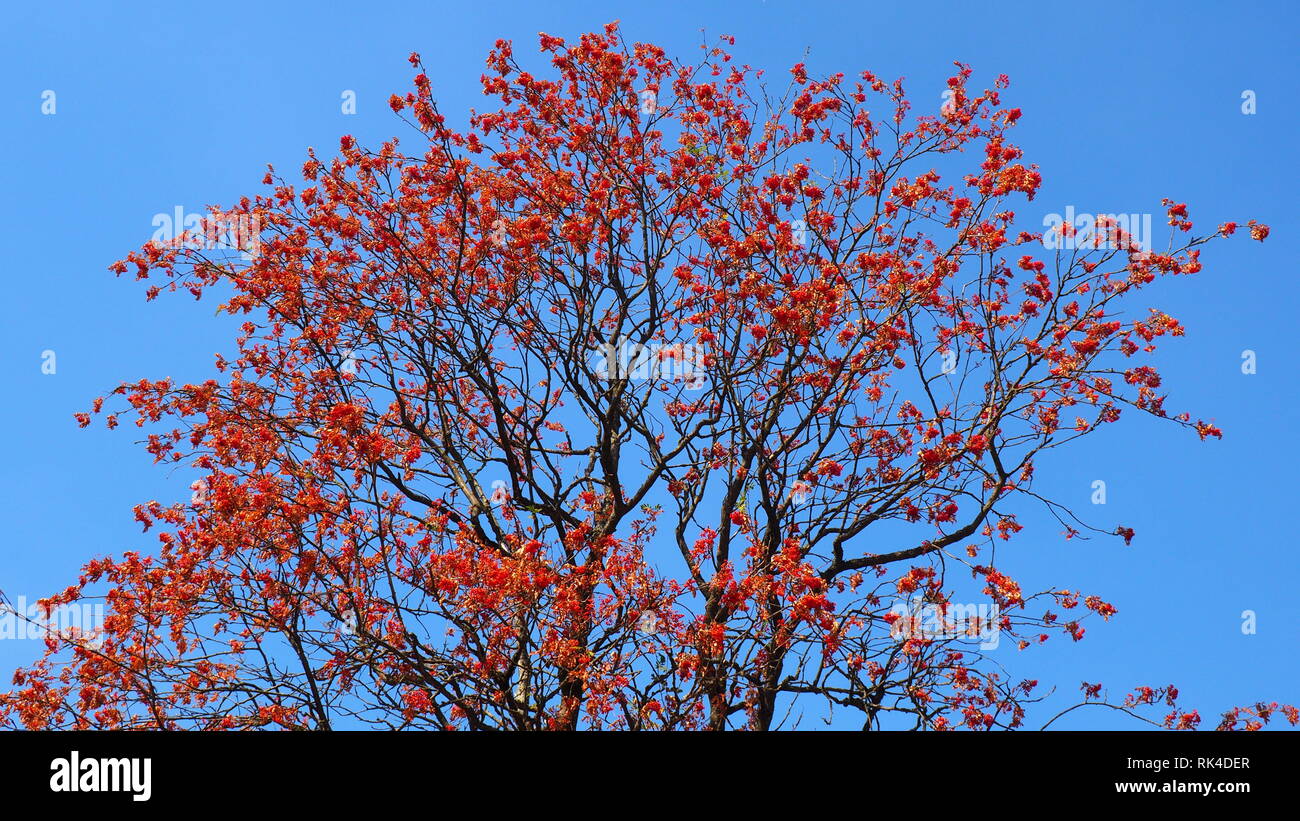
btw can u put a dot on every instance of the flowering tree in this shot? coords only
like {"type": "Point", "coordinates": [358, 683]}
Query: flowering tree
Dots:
{"type": "Point", "coordinates": [651, 400]}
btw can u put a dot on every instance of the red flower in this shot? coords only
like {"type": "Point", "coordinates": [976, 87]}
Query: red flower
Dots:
{"type": "Point", "coordinates": [829, 467]}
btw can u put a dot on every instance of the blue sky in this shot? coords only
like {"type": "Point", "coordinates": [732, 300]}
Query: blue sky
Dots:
{"type": "Point", "coordinates": [185, 104]}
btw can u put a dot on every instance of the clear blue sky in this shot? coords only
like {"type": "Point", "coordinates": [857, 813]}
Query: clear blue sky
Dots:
{"type": "Point", "coordinates": [185, 104]}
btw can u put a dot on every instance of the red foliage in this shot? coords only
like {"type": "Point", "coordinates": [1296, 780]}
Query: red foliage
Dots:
{"type": "Point", "coordinates": [427, 503]}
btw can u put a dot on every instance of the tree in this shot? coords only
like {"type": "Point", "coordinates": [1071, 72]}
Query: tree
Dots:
{"type": "Point", "coordinates": [650, 400]}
